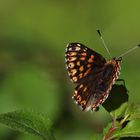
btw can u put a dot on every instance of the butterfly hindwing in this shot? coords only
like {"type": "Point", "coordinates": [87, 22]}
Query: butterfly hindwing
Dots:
{"type": "Point", "coordinates": [87, 92]}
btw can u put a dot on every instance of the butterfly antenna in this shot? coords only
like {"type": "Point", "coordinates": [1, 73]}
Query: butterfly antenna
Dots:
{"type": "Point", "coordinates": [130, 50]}
{"type": "Point", "coordinates": [98, 31]}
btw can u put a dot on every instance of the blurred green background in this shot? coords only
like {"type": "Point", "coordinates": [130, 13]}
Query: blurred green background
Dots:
{"type": "Point", "coordinates": [33, 36]}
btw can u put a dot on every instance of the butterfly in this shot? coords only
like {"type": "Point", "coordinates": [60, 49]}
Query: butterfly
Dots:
{"type": "Point", "coordinates": [92, 75]}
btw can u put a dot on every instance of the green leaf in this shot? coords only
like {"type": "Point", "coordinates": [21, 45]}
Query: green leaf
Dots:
{"type": "Point", "coordinates": [133, 111]}
{"type": "Point", "coordinates": [106, 129]}
{"type": "Point", "coordinates": [132, 129]}
{"type": "Point", "coordinates": [30, 122]}
{"type": "Point", "coordinates": [120, 111]}
{"type": "Point", "coordinates": [117, 96]}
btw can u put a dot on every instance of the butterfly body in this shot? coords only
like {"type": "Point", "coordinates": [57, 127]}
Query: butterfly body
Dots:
{"type": "Point", "coordinates": [91, 74]}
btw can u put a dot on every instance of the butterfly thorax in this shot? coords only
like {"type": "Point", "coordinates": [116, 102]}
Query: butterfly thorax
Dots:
{"type": "Point", "coordinates": [112, 69]}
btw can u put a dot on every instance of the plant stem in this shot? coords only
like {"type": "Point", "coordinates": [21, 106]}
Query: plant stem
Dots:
{"type": "Point", "coordinates": [111, 130]}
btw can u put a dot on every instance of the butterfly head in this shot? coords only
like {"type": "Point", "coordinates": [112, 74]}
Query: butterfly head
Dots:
{"type": "Point", "coordinates": [116, 62]}
{"type": "Point", "coordinates": [119, 59]}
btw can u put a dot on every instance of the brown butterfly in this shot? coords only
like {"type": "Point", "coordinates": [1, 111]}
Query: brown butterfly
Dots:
{"type": "Point", "coordinates": [92, 75]}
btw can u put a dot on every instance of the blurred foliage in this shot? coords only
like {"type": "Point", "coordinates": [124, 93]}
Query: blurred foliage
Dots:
{"type": "Point", "coordinates": [29, 121]}
{"type": "Point", "coordinates": [33, 36]}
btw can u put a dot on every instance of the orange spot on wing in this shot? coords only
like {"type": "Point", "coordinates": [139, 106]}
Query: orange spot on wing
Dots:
{"type": "Point", "coordinates": [73, 72]}
{"type": "Point", "coordinates": [72, 58]}
{"type": "Point", "coordinates": [77, 48]}
{"type": "Point", "coordinates": [92, 56]}
{"type": "Point", "coordinates": [87, 72]}
{"type": "Point", "coordinates": [81, 68]}
{"type": "Point", "coordinates": [83, 102]}
{"type": "Point", "coordinates": [78, 98]}
{"type": "Point", "coordinates": [82, 58]}
{"type": "Point", "coordinates": [81, 86]}
{"type": "Point", "coordinates": [75, 93]}
{"type": "Point", "coordinates": [90, 60]}
{"type": "Point", "coordinates": [78, 63]}
{"type": "Point", "coordinates": [71, 65]}
{"type": "Point", "coordinates": [84, 54]}
{"type": "Point", "coordinates": [85, 89]}
{"type": "Point", "coordinates": [72, 53]}
{"type": "Point", "coordinates": [78, 45]}
{"type": "Point", "coordinates": [80, 75]}
{"type": "Point", "coordinates": [89, 65]}
{"type": "Point", "coordinates": [75, 79]}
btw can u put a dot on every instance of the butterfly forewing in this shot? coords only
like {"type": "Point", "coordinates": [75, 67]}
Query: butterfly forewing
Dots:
{"type": "Point", "coordinates": [81, 61]}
